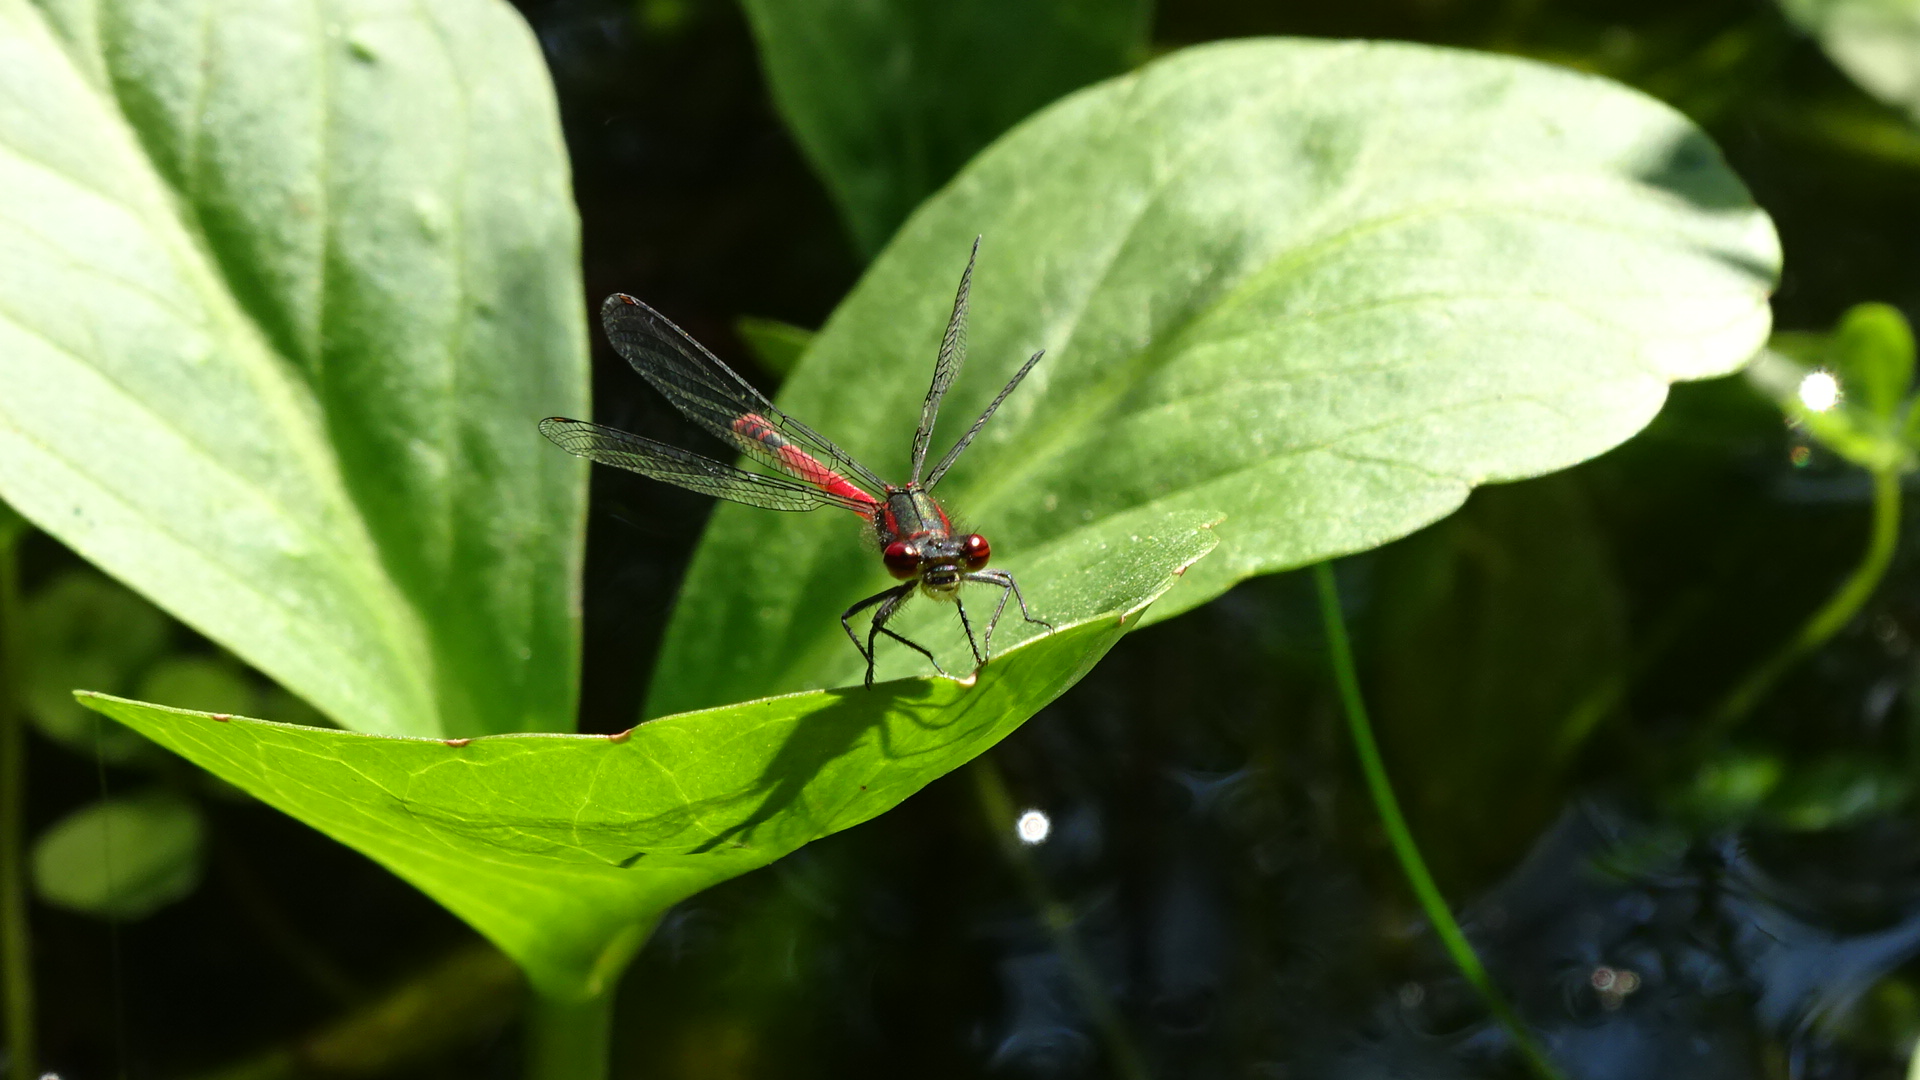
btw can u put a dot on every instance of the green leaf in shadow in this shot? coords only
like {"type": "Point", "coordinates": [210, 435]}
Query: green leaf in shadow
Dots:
{"type": "Point", "coordinates": [280, 294]}
{"type": "Point", "coordinates": [1325, 288]}
{"type": "Point", "coordinates": [888, 98]}
{"type": "Point", "coordinates": [776, 345]}
{"type": "Point", "coordinates": [565, 849]}
{"type": "Point", "coordinates": [12, 527]}
{"type": "Point", "coordinates": [84, 629]}
{"type": "Point", "coordinates": [1478, 709]}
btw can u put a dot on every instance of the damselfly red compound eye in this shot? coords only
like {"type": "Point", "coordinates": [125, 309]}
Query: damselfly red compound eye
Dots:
{"type": "Point", "coordinates": [815, 473]}
{"type": "Point", "coordinates": [902, 559]}
{"type": "Point", "coordinates": [977, 551]}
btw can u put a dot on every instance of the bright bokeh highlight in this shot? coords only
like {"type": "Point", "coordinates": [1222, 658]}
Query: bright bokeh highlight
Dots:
{"type": "Point", "coordinates": [1033, 827]}
{"type": "Point", "coordinates": [1819, 391]}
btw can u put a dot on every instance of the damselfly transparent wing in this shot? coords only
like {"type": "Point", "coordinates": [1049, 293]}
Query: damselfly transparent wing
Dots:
{"type": "Point", "coordinates": [953, 455]}
{"type": "Point", "coordinates": [710, 394]}
{"type": "Point", "coordinates": [953, 354]}
{"type": "Point", "coordinates": [684, 468]}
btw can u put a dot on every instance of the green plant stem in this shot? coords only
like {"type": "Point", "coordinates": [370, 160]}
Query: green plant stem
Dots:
{"type": "Point", "coordinates": [15, 943]}
{"type": "Point", "coordinates": [996, 804]}
{"type": "Point", "coordinates": [1400, 837]}
{"type": "Point", "coordinates": [1832, 616]}
{"type": "Point", "coordinates": [568, 1040]}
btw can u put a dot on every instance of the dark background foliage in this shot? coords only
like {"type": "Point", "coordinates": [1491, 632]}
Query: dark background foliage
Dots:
{"type": "Point", "coordinates": [1539, 665]}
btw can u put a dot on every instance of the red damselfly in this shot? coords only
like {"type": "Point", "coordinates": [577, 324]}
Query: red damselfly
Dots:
{"type": "Point", "coordinates": [916, 537]}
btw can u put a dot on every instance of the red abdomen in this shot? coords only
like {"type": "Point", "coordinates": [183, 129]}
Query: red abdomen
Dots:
{"type": "Point", "coordinates": [802, 464]}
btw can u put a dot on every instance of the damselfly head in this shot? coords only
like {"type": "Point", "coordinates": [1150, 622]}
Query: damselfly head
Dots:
{"type": "Point", "coordinates": [941, 580]}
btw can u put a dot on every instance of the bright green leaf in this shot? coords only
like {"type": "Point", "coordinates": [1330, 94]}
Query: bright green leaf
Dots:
{"type": "Point", "coordinates": [282, 294]}
{"type": "Point", "coordinates": [122, 858]}
{"type": "Point", "coordinates": [1876, 42]}
{"type": "Point", "coordinates": [564, 849]}
{"type": "Point", "coordinates": [888, 98]}
{"type": "Point", "coordinates": [1846, 389]}
{"type": "Point", "coordinates": [1873, 355]}
{"type": "Point", "coordinates": [1324, 288]}
{"type": "Point", "coordinates": [775, 344]}
{"type": "Point", "coordinates": [1785, 377]}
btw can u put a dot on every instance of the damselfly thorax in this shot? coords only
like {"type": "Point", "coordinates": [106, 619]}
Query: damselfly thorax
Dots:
{"type": "Point", "coordinates": [917, 542]}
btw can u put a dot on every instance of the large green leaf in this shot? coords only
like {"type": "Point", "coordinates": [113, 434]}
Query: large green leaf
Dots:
{"type": "Point", "coordinates": [1324, 288]}
{"type": "Point", "coordinates": [564, 849]}
{"type": "Point", "coordinates": [281, 295]}
{"type": "Point", "coordinates": [888, 98]}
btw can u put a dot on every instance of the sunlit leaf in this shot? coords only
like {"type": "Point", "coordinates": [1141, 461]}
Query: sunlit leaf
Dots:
{"type": "Point", "coordinates": [281, 294]}
{"type": "Point", "coordinates": [1324, 288]}
{"type": "Point", "coordinates": [1876, 42]}
{"type": "Point", "coordinates": [564, 849]}
{"type": "Point", "coordinates": [121, 859]}
{"type": "Point", "coordinates": [1848, 389]}
{"type": "Point", "coordinates": [1873, 354]}
{"type": "Point", "coordinates": [888, 98]}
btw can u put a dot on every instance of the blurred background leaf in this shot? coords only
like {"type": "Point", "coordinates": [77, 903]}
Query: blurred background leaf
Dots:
{"type": "Point", "coordinates": [1328, 315]}
{"type": "Point", "coordinates": [1848, 388]}
{"type": "Point", "coordinates": [121, 858]}
{"type": "Point", "coordinates": [84, 631]}
{"type": "Point", "coordinates": [888, 98]}
{"type": "Point", "coordinates": [1498, 643]}
{"type": "Point", "coordinates": [1873, 355]}
{"type": "Point", "coordinates": [202, 683]}
{"type": "Point", "coordinates": [1876, 42]}
{"type": "Point", "coordinates": [284, 298]}
{"type": "Point", "coordinates": [775, 344]}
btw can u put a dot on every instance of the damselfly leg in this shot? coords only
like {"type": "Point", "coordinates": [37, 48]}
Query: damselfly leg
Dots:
{"type": "Point", "coordinates": [1009, 587]}
{"type": "Point", "coordinates": [889, 601]}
